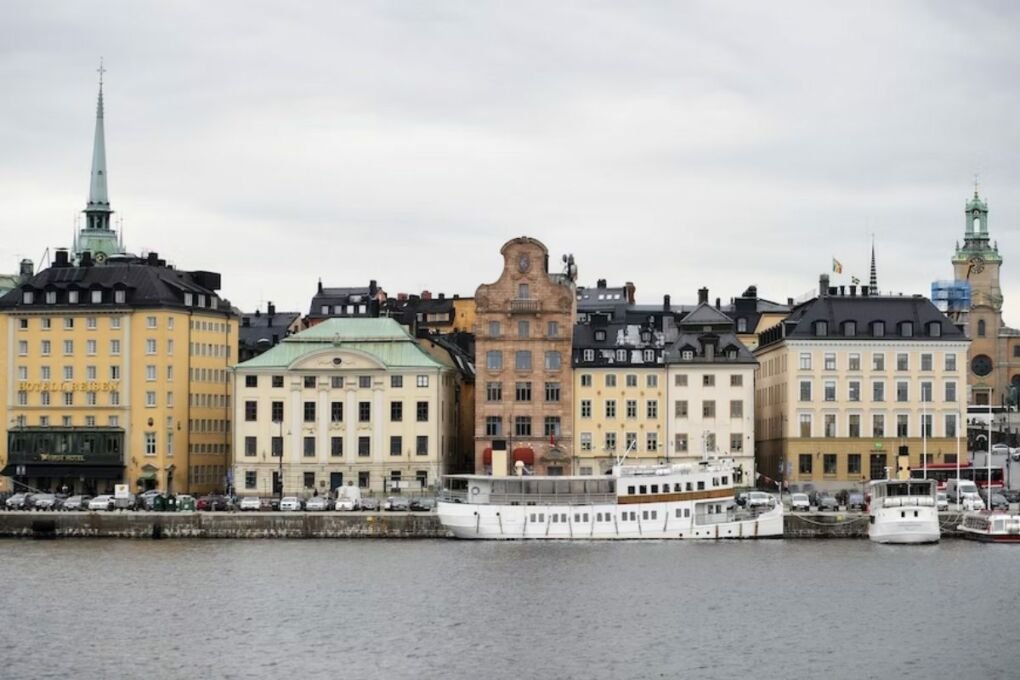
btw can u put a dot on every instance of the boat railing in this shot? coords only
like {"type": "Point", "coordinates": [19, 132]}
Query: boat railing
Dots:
{"type": "Point", "coordinates": [531, 498]}
{"type": "Point", "coordinates": [731, 515]}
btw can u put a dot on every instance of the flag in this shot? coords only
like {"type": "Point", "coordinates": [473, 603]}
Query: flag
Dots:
{"type": "Point", "coordinates": [836, 266]}
{"type": "Point", "coordinates": [855, 281]}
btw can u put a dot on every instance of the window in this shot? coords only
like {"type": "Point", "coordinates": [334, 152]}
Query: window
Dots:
{"type": "Point", "coordinates": [523, 329]}
{"type": "Point", "coordinates": [493, 391]}
{"type": "Point", "coordinates": [950, 391]}
{"type": "Point", "coordinates": [854, 362]}
{"type": "Point", "coordinates": [709, 443]}
{"type": "Point", "coordinates": [631, 380]}
{"type": "Point", "coordinates": [821, 328]}
{"type": "Point", "coordinates": [522, 360]}
{"type": "Point", "coordinates": [805, 361]}
{"type": "Point", "coordinates": [250, 479]}
{"type": "Point", "coordinates": [251, 381]}
{"type": "Point", "coordinates": [804, 464]}
{"type": "Point", "coordinates": [115, 347]}
{"type": "Point", "coordinates": [631, 408]}
{"type": "Point", "coordinates": [277, 381]}
{"type": "Point", "coordinates": [907, 329]}
{"type": "Point", "coordinates": [680, 408]}
{"type": "Point", "coordinates": [150, 346]}
{"type": "Point", "coordinates": [22, 347]}
{"type": "Point", "coordinates": [877, 425]}
{"type": "Point", "coordinates": [552, 426]}
{"type": "Point", "coordinates": [586, 408]}
{"type": "Point", "coordinates": [708, 380]}
{"type": "Point", "coordinates": [150, 373]}
{"type": "Point", "coordinates": [805, 390]}
{"type": "Point", "coordinates": [830, 362]}
{"type": "Point", "coordinates": [309, 411]}
{"type": "Point", "coordinates": [830, 390]}
{"type": "Point", "coordinates": [829, 463]}
{"type": "Point", "coordinates": [552, 391]}
{"type": "Point", "coordinates": [951, 362]}
{"type": "Point", "coordinates": [309, 480]}
{"type": "Point", "coordinates": [251, 410]}
{"type": "Point", "coordinates": [276, 446]}
{"type": "Point", "coordinates": [150, 322]}
{"type": "Point", "coordinates": [610, 408]}
{"type": "Point", "coordinates": [902, 391]}
{"type": "Point", "coordinates": [589, 355]}
{"type": "Point", "coordinates": [69, 398]}
{"type": "Point", "coordinates": [854, 390]}
{"type": "Point", "coordinates": [680, 442]}
{"type": "Point", "coordinates": [926, 390]}
{"type": "Point", "coordinates": [849, 328]}
{"type": "Point", "coordinates": [586, 441]}
{"type": "Point", "coordinates": [736, 380]}
{"type": "Point", "coordinates": [902, 425]}
{"type": "Point", "coordinates": [552, 361]}
{"type": "Point", "coordinates": [46, 347]}
{"type": "Point", "coordinates": [926, 362]}
{"type": "Point", "coordinates": [805, 424]}
{"type": "Point", "coordinates": [494, 329]}
{"type": "Point", "coordinates": [396, 411]}
{"type": "Point", "coordinates": [522, 426]}
{"type": "Point", "coordinates": [878, 362]}
{"type": "Point", "coordinates": [276, 411]}
{"type": "Point", "coordinates": [396, 381]}
{"type": "Point", "coordinates": [91, 347]}
{"type": "Point", "coordinates": [950, 424]}
{"type": "Point", "coordinates": [708, 409]}
{"type": "Point", "coordinates": [652, 408]}
{"type": "Point", "coordinates": [364, 447]}
{"type": "Point", "coordinates": [610, 380]}
{"type": "Point", "coordinates": [651, 442]}
{"type": "Point", "coordinates": [926, 425]}
{"type": "Point", "coordinates": [736, 408]}
{"type": "Point", "coordinates": [114, 398]}
{"type": "Point", "coordinates": [423, 381]}
{"type": "Point", "coordinates": [494, 360]}
{"type": "Point", "coordinates": [552, 329]}
{"type": "Point", "coordinates": [878, 391]}
{"type": "Point", "coordinates": [364, 411]}
{"type": "Point", "coordinates": [364, 381]}
{"type": "Point", "coordinates": [493, 426]}
{"type": "Point", "coordinates": [680, 380]}
{"type": "Point", "coordinates": [854, 425]}
{"type": "Point", "coordinates": [28, 297]}
{"type": "Point", "coordinates": [600, 336]}
{"type": "Point", "coordinates": [523, 291]}
{"type": "Point", "coordinates": [251, 446]}
{"type": "Point", "coordinates": [830, 425]}
{"type": "Point", "coordinates": [423, 412]}
{"type": "Point", "coordinates": [630, 441]}
{"type": "Point", "coordinates": [396, 445]}
{"type": "Point", "coordinates": [586, 380]}
{"type": "Point", "coordinates": [522, 391]}
{"type": "Point", "coordinates": [150, 443]}
{"type": "Point", "coordinates": [150, 399]}
{"type": "Point", "coordinates": [902, 362]}
{"type": "Point", "coordinates": [90, 398]}
{"type": "Point", "coordinates": [336, 411]}
{"type": "Point", "coordinates": [610, 441]}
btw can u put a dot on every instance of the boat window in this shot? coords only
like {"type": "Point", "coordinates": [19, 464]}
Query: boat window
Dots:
{"type": "Point", "coordinates": [563, 517]}
{"type": "Point", "coordinates": [644, 515]}
{"type": "Point", "coordinates": [541, 517]}
{"type": "Point", "coordinates": [612, 486]}
{"type": "Point", "coordinates": [655, 514]}
{"type": "Point", "coordinates": [701, 485]}
{"type": "Point", "coordinates": [531, 486]}
{"type": "Point", "coordinates": [678, 513]}
{"type": "Point", "coordinates": [725, 480]}
{"type": "Point", "coordinates": [630, 490]}
{"type": "Point", "coordinates": [687, 512]}
{"type": "Point", "coordinates": [577, 517]}
{"type": "Point", "coordinates": [715, 481]}
{"type": "Point", "coordinates": [585, 517]}
{"type": "Point", "coordinates": [532, 517]}
{"type": "Point", "coordinates": [643, 489]}
{"type": "Point", "coordinates": [678, 487]}
{"type": "Point", "coordinates": [555, 518]}
{"type": "Point", "coordinates": [710, 508]}
{"type": "Point", "coordinates": [655, 488]}
{"type": "Point", "coordinates": [689, 487]}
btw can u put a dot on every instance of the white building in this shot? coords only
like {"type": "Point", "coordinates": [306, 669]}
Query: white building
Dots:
{"type": "Point", "coordinates": [348, 401]}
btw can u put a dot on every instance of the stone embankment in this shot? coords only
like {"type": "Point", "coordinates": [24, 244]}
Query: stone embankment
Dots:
{"type": "Point", "coordinates": [331, 525]}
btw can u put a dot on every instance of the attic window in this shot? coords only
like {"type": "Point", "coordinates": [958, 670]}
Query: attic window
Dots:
{"type": "Point", "coordinates": [731, 354]}
{"type": "Point", "coordinates": [589, 355]}
{"type": "Point", "coordinates": [72, 297]}
{"type": "Point", "coordinates": [119, 296]}
{"type": "Point", "coordinates": [934, 329]}
{"type": "Point", "coordinates": [907, 329]}
{"type": "Point", "coordinates": [878, 329]}
{"type": "Point", "coordinates": [324, 309]}
{"type": "Point", "coordinates": [27, 297]}
{"type": "Point", "coordinates": [649, 356]}
{"type": "Point", "coordinates": [51, 297]}
{"type": "Point", "coordinates": [849, 328]}
{"type": "Point", "coordinates": [741, 325]}
{"type": "Point", "coordinates": [821, 328]}
{"type": "Point", "coordinates": [189, 299]}
{"type": "Point", "coordinates": [621, 355]}
{"type": "Point", "coordinates": [687, 354]}
{"type": "Point", "coordinates": [600, 336]}
{"type": "Point", "coordinates": [646, 336]}
{"type": "Point", "coordinates": [97, 297]}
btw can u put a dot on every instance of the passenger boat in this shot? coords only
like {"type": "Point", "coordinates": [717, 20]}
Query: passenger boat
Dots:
{"type": "Point", "coordinates": [633, 502]}
{"type": "Point", "coordinates": [903, 511]}
{"type": "Point", "coordinates": [990, 527]}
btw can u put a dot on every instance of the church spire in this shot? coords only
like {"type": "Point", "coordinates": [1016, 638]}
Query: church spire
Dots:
{"type": "Point", "coordinates": [98, 208]}
{"type": "Point", "coordinates": [873, 283]}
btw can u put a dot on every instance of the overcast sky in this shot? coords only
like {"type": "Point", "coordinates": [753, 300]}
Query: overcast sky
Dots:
{"type": "Point", "coordinates": [672, 144]}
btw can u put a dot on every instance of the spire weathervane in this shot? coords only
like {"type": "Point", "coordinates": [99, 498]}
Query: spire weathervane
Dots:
{"type": "Point", "coordinates": [100, 71]}
{"type": "Point", "coordinates": [976, 184]}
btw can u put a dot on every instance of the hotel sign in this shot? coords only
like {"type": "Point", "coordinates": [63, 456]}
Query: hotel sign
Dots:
{"type": "Point", "coordinates": [61, 458]}
{"type": "Point", "coordinates": [67, 386]}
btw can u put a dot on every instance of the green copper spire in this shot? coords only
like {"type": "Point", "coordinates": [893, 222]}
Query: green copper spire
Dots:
{"type": "Point", "coordinates": [98, 237]}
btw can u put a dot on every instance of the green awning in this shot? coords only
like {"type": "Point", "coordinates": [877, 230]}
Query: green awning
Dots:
{"type": "Point", "coordinates": [147, 475]}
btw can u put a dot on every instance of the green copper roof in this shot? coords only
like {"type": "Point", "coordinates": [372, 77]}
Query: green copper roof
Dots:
{"type": "Point", "coordinates": [976, 202]}
{"type": "Point", "coordinates": [384, 339]}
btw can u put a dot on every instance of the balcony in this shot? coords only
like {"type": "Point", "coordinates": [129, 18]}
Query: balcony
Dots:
{"type": "Point", "coordinates": [525, 306]}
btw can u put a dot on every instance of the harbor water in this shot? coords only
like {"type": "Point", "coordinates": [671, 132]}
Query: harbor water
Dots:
{"type": "Point", "coordinates": [393, 609]}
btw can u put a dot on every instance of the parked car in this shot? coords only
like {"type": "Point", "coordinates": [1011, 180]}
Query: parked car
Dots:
{"type": "Point", "coordinates": [103, 502]}
{"type": "Point", "coordinates": [759, 499]}
{"type": "Point", "coordinates": [1001, 449]}
{"type": "Point", "coordinates": [997, 502]}
{"type": "Point", "coordinates": [250, 503]}
{"type": "Point", "coordinates": [344, 503]}
{"type": "Point", "coordinates": [423, 504]}
{"type": "Point", "coordinates": [826, 501]}
{"type": "Point", "coordinates": [1011, 495]}
{"type": "Point", "coordinates": [20, 501]}
{"type": "Point", "coordinates": [129, 502]}
{"type": "Point", "coordinates": [212, 503]}
{"type": "Point", "coordinates": [941, 501]}
{"type": "Point", "coordinates": [799, 502]}
{"type": "Point", "coordinates": [147, 499]}
{"type": "Point", "coordinates": [396, 503]}
{"type": "Point", "coordinates": [46, 501]}
{"type": "Point", "coordinates": [318, 504]}
{"type": "Point", "coordinates": [290, 504]}
{"type": "Point", "coordinates": [368, 505]}
{"type": "Point", "coordinates": [855, 500]}
{"type": "Point", "coordinates": [77, 503]}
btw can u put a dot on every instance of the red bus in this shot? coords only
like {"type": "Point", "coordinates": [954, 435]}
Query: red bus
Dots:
{"type": "Point", "coordinates": [943, 472]}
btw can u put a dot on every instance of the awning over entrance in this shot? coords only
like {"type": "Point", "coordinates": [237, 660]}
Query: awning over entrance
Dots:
{"type": "Point", "coordinates": [67, 471]}
{"type": "Point", "coordinates": [524, 454]}
{"type": "Point", "coordinates": [147, 475]}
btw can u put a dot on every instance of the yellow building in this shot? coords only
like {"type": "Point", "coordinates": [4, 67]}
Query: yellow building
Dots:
{"type": "Point", "coordinates": [115, 367]}
{"type": "Point", "coordinates": [850, 383]}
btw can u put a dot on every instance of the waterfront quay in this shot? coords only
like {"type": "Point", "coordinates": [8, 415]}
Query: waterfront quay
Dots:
{"type": "Point", "coordinates": [413, 525]}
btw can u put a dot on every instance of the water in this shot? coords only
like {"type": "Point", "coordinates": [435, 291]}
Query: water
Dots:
{"type": "Point", "coordinates": [444, 609]}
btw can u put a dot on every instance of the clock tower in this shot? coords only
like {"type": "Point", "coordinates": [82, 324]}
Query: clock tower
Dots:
{"type": "Point", "coordinates": [977, 263]}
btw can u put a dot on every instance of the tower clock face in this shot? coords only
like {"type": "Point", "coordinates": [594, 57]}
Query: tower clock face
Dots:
{"type": "Point", "coordinates": [981, 365]}
{"type": "Point", "coordinates": [100, 257]}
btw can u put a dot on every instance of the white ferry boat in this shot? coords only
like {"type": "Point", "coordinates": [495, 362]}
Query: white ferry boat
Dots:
{"type": "Point", "coordinates": [991, 527]}
{"type": "Point", "coordinates": [633, 502]}
{"type": "Point", "coordinates": [903, 511]}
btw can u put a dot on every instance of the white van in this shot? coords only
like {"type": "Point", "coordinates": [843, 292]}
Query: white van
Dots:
{"type": "Point", "coordinates": [965, 493]}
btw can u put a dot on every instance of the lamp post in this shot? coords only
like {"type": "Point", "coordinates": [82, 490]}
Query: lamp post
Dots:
{"type": "Point", "coordinates": [279, 424]}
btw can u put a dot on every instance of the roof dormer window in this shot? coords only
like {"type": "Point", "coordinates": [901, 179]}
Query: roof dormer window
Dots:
{"type": "Point", "coordinates": [934, 329]}
{"type": "Point", "coordinates": [600, 336]}
{"type": "Point", "coordinates": [589, 355]}
{"type": "Point", "coordinates": [741, 325]}
{"type": "Point", "coordinates": [849, 328]}
{"type": "Point", "coordinates": [821, 328]}
{"type": "Point", "coordinates": [687, 354]}
{"type": "Point", "coordinates": [72, 297]}
{"type": "Point", "coordinates": [878, 329]}
{"type": "Point", "coordinates": [119, 296]}
{"type": "Point", "coordinates": [731, 354]}
{"type": "Point", "coordinates": [189, 299]}
{"type": "Point", "coordinates": [27, 297]}
{"type": "Point", "coordinates": [621, 355]}
{"type": "Point", "coordinates": [649, 356]}
{"type": "Point", "coordinates": [51, 297]}
{"type": "Point", "coordinates": [907, 329]}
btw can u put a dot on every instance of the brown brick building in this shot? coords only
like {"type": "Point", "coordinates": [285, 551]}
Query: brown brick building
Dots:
{"type": "Point", "coordinates": [523, 389]}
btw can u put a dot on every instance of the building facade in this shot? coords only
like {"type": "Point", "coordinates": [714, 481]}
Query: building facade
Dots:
{"type": "Point", "coordinates": [849, 383]}
{"type": "Point", "coordinates": [347, 402]}
{"type": "Point", "coordinates": [524, 391]}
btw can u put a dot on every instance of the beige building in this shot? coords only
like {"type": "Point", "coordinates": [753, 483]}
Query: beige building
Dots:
{"type": "Point", "coordinates": [524, 392]}
{"type": "Point", "coordinates": [847, 383]}
{"type": "Point", "coordinates": [347, 402]}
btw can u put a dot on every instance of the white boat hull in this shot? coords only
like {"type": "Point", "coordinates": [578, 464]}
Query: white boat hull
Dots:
{"type": "Point", "coordinates": [887, 526]}
{"type": "Point", "coordinates": [654, 521]}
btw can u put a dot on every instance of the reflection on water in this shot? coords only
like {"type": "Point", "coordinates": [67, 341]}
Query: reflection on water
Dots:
{"type": "Point", "coordinates": [447, 609]}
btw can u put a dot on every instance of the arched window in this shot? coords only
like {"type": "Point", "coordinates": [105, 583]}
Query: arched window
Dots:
{"type": "Point", "coordinates": [981, 328]}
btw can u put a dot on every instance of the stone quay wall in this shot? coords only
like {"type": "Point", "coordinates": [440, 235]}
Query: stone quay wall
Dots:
{"type": "Point", "coordinates": [331, 525]}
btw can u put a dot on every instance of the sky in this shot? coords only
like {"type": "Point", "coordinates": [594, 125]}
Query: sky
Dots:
{"type": "Point", "coordinates": [672, 144]}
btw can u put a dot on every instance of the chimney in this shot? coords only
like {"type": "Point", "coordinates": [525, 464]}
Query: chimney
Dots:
{"type": "Point", "coordinates": [853, 291]}
{"type": "Point", "coordinates": [665, 303]}
{"type": "Point", "coordinates": [271, 309]}
{"type": "Point", "coordinates": [865, 291]}
{"type": "Point", "coordinates": [426, 295]}
{"type": "Point", "coordinates": [442, 296]}
{"type": "Point", "coordinates": [320, 285]}
{"type": "Point", "coordinates": [703, 296]}
{"type": "Point", "coordinates": [823, 285]}
{"type": "Point", "coordinates": [373, 286]}
{"type": "Point", "coordinates": [717, 303]}
{"type": "Point", "coordinates": [86, 258]}
{"type": "Point", "coordinates": [27, 268]}
{"type": "Point", "coordinates": [842, 291]}
{"type": "Point", "coordinates": [631, 289]}
{"type": "Point", "coordinates": [60, 258]}
{"type": "Point", "coordinates": [789, 302]}
{"type": "Point", "coordinates": [151, 259]}
{"type": "Point", "coordinates": [601, 283]}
